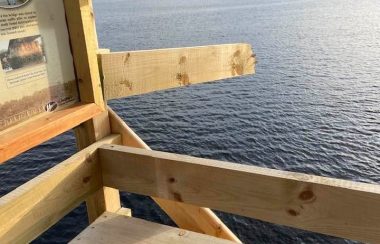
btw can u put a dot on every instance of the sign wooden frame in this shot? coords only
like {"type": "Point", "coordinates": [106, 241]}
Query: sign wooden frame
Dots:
{"type": "Point", "coordinates": [36, 126]}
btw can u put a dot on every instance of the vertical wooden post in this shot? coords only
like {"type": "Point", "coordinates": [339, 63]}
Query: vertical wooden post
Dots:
{"type": "Point", "coordinates": [84, 43]}
{"type": "Point", "coordinates": [80, 20]}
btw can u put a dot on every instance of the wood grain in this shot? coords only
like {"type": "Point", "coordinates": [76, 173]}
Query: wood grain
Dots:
{"type": "Point", "coordinates": [139, 72]}
{"type": "Point", "coordinates": [32, 208]}
{"type": "Point", "coordinates": [125, 212]}
{"type": "Point", "coordinates": [39, 129]}
{"type": "Point", "coordinates": [118, 229]}
{"type": "Point", "coordinates": [330, 206]}
{"type": "Point", "coordinates": [186, 216]}
{"type": "Point", "coordinates": [84, 43]}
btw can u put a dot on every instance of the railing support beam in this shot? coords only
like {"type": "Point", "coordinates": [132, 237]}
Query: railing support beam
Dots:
{"type": "Point", "coordinates": [330, 206]}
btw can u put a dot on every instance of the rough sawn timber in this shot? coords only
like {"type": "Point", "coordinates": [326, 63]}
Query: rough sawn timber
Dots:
{"type": "Point", "coordinates": [186, 216]}
{"type": "Point", "coordinates": [26, 135]}
{"type": "Point", "coordinates": [32, 208]}
{"type": "Point", "coordinates": [138, 72]}
{"type": "Point", "coordinates": [330, 206]}
{"type": "Point", "coordinates": [118, 229]}
{"type": "Point", "coordinates": [84, 44]}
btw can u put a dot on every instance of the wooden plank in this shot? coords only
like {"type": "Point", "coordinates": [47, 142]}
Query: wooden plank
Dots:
{"type": "Point", "coordinates": [125, 212]}
{"type": "Point", "coordinates": [84, 43]}
{"type": "Point", "coordinates": [33, 132]}
{"type": "Point", "coordinates": [32, 208]}
{"type": "Point", "coordinates": [105, 199]}
{"type": "Point", "coordinates": [330, 206]}
{"type": "Point", "coordinates": [186, 216]}
{"type": "Point", "coordinates": [118, 229]}
{"type": "Point", "coordinates": [139, 72]}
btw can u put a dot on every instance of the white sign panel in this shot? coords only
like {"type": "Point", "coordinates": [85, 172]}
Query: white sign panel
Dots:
{"type": "Point", "coordinates": [36, 71]}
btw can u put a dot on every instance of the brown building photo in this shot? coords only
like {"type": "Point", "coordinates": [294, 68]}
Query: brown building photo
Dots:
{"type": "Point", "coordinates": [22, 52]}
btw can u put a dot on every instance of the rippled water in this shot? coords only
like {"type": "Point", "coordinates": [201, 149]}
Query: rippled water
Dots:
{"type": "Point", "coordinates": [312, 107]}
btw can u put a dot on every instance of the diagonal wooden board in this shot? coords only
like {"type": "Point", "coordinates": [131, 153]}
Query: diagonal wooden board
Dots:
{"type": "Point", "coordinates": [138, 72]}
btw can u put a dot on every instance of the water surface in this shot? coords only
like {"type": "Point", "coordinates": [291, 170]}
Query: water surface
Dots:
{"type": "Point", "coordinates": [312, 107]}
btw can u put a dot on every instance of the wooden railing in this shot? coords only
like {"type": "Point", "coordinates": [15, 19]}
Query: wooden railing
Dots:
{"type": "Point", "coordinates": [184, 187]}
{"type": "Point", "coordinates": [32, 208]}
{"type": "Point", "coordinates": [138, 72]}
{"type": "Point", "coordinates": [20, 138]}
{"type": "Point", "coordinates": [330, 206]}
{"type": "Point", "coordinates": [186, 216]}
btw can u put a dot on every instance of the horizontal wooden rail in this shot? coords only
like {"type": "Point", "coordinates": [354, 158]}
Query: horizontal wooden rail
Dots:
{"type": "Point", "coordinates": [186, 216]}
{"type": "Point", "coordinates": [24, 136]}
{"type": "Point", "coordinates": [32, 208]}
{"type": "Point", "coordinates": [139, 72]}
{"type": "Point", "coordinates": [330, 206]}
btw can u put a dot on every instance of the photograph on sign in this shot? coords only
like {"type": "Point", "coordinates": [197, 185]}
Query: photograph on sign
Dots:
{"type": "Point", "coordinates": [36, 73]}
{"type": "Point", "coordinates": [21, 52]}
{"type": "Point", "coordinates": [12, 3]}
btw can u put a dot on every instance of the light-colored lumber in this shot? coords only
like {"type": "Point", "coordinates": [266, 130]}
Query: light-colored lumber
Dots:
{"type": "Point", "coordinates": [125, 212]}
{"type": "Point", "coordinates": [84, 43]}
{"type": "Point", "coordinates": [186, 216]}
{"type": "Point", "coordinates": [81, 25]}
{"type": "Point", "coordinates": [118, 229]}
{"type": "Point", "coordinates": [35, 131]}
{"type": "Point", "coordinates": [32, 208]}
{"type": "Point", "coordinates": [330, 206]}
{"type": "Point", "coordinates": [139, 72]}
{"type": "Point", "coordinates": [105, 199]}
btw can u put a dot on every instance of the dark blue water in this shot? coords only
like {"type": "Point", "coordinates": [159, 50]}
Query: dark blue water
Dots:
{"type": "Point", "coordinates": [312, 107]}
